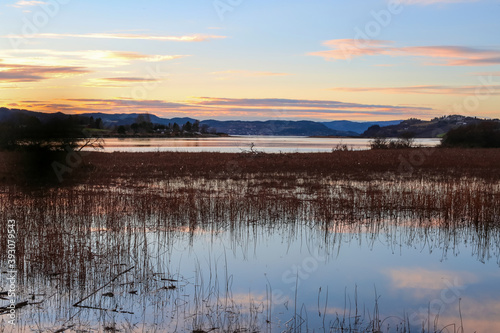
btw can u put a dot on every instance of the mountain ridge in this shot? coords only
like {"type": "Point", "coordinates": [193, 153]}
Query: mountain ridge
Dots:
{"type": "Point", "coordinates": [232, 127]}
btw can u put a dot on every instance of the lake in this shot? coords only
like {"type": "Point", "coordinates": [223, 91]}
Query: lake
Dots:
{"type": "Point", "coordinates": [235, 144]}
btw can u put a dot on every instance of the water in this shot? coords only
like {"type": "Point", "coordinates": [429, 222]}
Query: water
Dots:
{"type": "Point", "coordinates": [193, 255]}
{"type": "Point", "coordinates": [286, 276]}
{"type": "Point", "coordinates": [236, 144]}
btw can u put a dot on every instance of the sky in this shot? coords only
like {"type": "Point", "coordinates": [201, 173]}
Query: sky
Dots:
{"type": "Point", "coordinates": [253, 60]}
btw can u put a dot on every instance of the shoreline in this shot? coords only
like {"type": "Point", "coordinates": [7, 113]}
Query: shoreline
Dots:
{"type": "Point", "coordinates": [103, 168]}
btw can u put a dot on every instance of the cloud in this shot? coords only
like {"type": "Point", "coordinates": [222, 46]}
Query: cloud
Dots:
{"type": "Point", "coordinates": [185, 38]}
{"type": "Point", "coordinates": [481, 314]}
{"type": "Point", "coordinates": [21, 4]}
{"type": "Point", "coordinates": [425, 89]}
{"type": "Point", "coordinates": [287, 103]}
{"type": "Point", "coordinates": [245, 73]}
{"type": "Point", "coordinates": [118, 82]}
{"type": "Point", "coordinates": [421, 278]}
{"type": "Point", "coordinates": [431, 2]}
{"type": "Point", "coordinates": [128, 79]}
{"type": "Point", "coordinates": [487, 74]}
{"type": "Point", "coordinates": [346, 49]}
{"type": "Point", "coordinates": [225, 108]}
{"type": "Point", "coordinates": [454, 55]}
{"type": "Point", "coordinates": [139, 56]}
{"type": "Point", "coordinates": [86, 58]}
{"type": "Point", "coordinates": [27, 73]}
{"type": "Point", "coordinates": [343, 49]}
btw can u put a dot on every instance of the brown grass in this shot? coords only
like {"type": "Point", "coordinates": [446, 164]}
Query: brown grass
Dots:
{"type": "Point", "coordinates": [102, 168]}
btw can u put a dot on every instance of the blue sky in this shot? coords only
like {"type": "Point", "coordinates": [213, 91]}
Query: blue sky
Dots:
{"type": "Point", "coordinates": [224, 59]}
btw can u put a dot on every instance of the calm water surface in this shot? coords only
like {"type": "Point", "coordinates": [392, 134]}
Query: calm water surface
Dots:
{"type": "Point", "coordinates": [271, 144]}
{"type": "Point", "coordinates": [288, 278]}
{"type": "Point", "coordinates": [244, 255]}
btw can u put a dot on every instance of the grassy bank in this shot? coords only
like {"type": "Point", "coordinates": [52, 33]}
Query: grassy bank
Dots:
{"type": "Point", "coordinates": [101, 168]}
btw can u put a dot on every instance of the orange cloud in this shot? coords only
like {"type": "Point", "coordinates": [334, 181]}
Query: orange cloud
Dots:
{"type": "Point", "coordinates": [447, 55]}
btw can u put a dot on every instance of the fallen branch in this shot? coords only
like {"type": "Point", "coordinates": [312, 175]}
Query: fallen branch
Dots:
{"type": "Point", "coordinates": [6, 310]}
{"type": "Point", "coordinates": [77, 304]}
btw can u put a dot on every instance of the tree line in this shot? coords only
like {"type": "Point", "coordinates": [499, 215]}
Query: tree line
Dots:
{"type": "Point", "coordinates": [144, 125]}
{"type": "Point", "coordinates": [23, 131]}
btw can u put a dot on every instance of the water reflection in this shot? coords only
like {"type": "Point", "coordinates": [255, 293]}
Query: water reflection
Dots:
{"type": "Point", "coordinates": [236, 144]}
{"type": "Point", "coordinates": [195, 255]}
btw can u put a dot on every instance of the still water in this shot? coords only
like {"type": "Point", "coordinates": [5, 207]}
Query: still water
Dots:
{"type": "Point", "coordinates": [286, 279]}
{"type": "Point", "coordinates": [239, 256]}
{"type": "Point", "coordinates": [236, 144]}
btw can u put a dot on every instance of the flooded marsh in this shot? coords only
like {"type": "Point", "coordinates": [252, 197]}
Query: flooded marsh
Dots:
{"type": "Point", "coordinates": [257, 244]}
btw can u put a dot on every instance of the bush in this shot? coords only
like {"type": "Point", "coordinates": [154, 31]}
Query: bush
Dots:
{"type": "Point", "coordinates": [384, 143]}
{"type": "Point", "coordinates": [379, 143]}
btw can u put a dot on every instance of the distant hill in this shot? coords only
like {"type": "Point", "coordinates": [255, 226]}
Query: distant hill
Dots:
{"type": "Point", "coordinates": [436, 127]}
{"type": "Point", "coordinates": [357, 127]}
{"type": "Point", "coordinates": [271, 127]}
{"type": "Point", "coordinates": [6, 114]}
{"type": "Point", "coordinates": [108, 119]}
{"type": "Point", "coordinates": [275, 127]}
{"type": "Point", "coordinates": [117, 119]}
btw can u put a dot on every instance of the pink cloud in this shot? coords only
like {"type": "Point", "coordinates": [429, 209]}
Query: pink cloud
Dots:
{"type": "Point", "coordinates": [424, 89]}
{"type": "Point", "coordinates": [29, 73]}
{"type": "Point", "coordinates": [441, 55]}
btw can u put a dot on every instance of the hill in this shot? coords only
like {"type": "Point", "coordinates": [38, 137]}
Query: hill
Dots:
{"type": "Point", "coordinates": [270, 127]}
{"type": "Point", "coordinates": [434, 128]}
{"type": "Point", "coordinates": [357, 127]}
{"type": "Point", "coordinates": [275, 127]}
{"type": "Point", "coordinates": [118, 119]}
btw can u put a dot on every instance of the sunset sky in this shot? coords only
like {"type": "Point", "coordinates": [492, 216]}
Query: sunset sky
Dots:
{"type": "Point", "coordinates": [242, 59]}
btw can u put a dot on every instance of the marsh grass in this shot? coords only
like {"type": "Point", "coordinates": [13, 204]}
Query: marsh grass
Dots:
{"type": "Point", "coordinates": [76, 241]}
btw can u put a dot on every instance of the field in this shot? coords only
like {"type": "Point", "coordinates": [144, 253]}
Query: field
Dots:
{"type": "Point", "coordinates": [363, 165]}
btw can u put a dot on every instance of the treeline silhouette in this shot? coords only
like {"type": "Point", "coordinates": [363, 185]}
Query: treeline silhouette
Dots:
{"type": "Point", "coordinates": [24, 132]}
{"type": "Point", "coordinates": [481, 135]}
{"type": "Point", "coordinates": [60, 132]}
{"type": "Point", "coordinates": [39, 144]}
{"type": "Point", "coordinates": [144, 126]}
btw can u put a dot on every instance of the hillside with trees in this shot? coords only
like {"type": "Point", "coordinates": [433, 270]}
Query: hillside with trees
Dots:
{"type": "Point", "coordinates": [479, 135]}
{"type": "Point", "coordinates": [417, 128]}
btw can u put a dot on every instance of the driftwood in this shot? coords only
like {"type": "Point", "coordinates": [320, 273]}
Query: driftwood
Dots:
{"type": "Point", "coordinates": [78, 304]}
{"type": "Point", "coordinates": [6, 310]}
